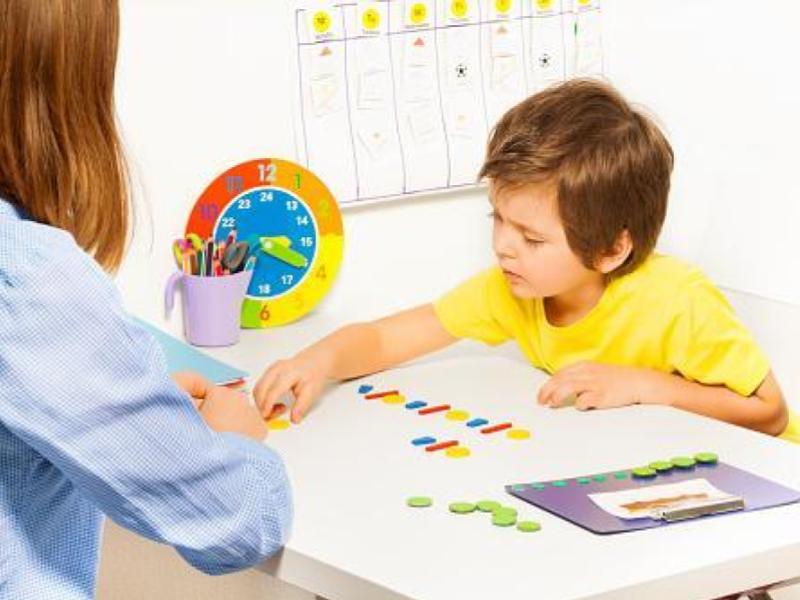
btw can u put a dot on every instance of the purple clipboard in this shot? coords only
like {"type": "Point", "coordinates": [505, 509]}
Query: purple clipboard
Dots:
{"type": "Point", "coordinates": [569, 498]}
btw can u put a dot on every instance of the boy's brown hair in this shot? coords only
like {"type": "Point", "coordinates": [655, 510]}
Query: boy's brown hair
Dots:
{"type": "Point", "coordinates": [60, 156]}
{"type": "Point", "coordinates": [610, 164]}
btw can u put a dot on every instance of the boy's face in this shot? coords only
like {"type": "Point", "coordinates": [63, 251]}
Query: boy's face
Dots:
{"type": "Point", "coordinates": [531, 245]}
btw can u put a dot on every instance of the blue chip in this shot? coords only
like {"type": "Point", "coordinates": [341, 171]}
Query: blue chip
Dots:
{"type": "Point", "coordinates": [416, 404]}
{"type": "Point", "coordinates": [365, 389]}
{"type": "Point", "coordinates": [424, 441]}
{"type": "Point", "coordinates": [477, 422]}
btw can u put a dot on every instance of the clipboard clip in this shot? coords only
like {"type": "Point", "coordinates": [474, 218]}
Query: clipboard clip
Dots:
{"type": "Point", "coordinates": [715, 507]}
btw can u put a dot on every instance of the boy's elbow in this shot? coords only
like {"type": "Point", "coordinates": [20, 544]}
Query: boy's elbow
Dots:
{"type": "Point", "coordinates": [778, 420]}
{"type": "Point", "coordinates": [776, 413]}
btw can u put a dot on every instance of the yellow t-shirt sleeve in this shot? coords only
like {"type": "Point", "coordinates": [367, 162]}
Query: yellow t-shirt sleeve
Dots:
{"type": "Point", "coordinates": [711, 346]}
{"type": "Point", "coordinates": [475, 308]}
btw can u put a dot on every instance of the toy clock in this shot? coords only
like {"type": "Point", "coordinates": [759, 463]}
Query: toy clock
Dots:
{"type": "Point", "coordinates": [291, 224]}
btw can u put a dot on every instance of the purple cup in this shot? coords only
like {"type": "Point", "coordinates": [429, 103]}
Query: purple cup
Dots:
{"type": "Point", "coordinates": [212, 306]}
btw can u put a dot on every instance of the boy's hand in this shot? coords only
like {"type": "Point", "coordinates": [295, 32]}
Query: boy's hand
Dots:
{"type": "Point", "coordinates": [304, 378]}
{"type": "Point", "coordinates": [594, 385]}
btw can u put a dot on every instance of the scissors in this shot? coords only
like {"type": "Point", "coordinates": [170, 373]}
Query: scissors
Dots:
{"type": "Point", "coordinates": [235, 256]}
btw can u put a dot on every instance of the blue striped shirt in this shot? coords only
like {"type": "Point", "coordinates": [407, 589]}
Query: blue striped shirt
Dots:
{"type": "Point", "coordinates": [92, 425]}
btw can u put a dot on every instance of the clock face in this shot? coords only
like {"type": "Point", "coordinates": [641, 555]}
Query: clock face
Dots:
{"type": "Point", "coordinates": [292, 226]}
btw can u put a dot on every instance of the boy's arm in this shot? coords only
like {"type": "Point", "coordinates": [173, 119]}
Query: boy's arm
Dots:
{"type": "Point", "coordinates": [352, 351]}
{"type": "Point", "coordinates": [596, 385]}
{"type": "Point", "coordinates": [763, 411]}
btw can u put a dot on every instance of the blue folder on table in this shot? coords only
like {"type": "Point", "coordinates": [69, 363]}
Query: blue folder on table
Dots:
{"type": "Point", "coordinates": [183, 357]}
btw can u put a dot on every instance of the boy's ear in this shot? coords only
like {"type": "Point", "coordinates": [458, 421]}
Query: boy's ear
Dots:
{"type": "Point", "coordinates": [618, 254]}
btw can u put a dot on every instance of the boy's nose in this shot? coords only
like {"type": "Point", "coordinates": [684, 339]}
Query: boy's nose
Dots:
{"type": "Point", "coordinates": [503, 244]}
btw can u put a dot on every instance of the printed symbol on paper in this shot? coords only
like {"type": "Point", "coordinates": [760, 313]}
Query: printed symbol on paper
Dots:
{"type": "Point", "coordinates": [371, 19]}
{"type": "Point", "coordinates": [374, 141]}
{"type": "Point", "coordinates": [322, 21]}
{"type": "Point", "coordinates": [418, 14]}
{"type": "Point", "coordinates": [373, 84]}
{"type": "Point", "coordinates": [461, 70]}
{"type": "Point", "coordinates": [502, 6]}
{"type": "Point", "coordinates": [544, 4]}
{"type": "Point", "coordinates": [461, 126]}
{"type": "Point", "coordinates": [459, 8]}
{"type": "Point", "coordinates": [324, 82]}
{"type": "Point", "coordinates": [545, 60]}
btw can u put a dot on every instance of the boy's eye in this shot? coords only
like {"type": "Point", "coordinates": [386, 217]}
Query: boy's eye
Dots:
{"type": "Point", "coordinates": [533, 242]}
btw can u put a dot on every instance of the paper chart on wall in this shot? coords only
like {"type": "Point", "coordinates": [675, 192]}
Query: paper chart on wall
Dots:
{"type": "Point", "coordinates": [396, 98]}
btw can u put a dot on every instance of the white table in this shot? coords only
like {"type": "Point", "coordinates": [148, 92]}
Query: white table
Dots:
{"type": "Point", "coordinates": [352, 467]}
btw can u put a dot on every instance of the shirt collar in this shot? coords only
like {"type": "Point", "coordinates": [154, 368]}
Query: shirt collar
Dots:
{"type": "Point", "coordinates": [10, 210]}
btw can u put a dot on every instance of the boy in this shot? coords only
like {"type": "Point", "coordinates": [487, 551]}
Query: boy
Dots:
{"type": "Point", "coordinates": [578, 185]}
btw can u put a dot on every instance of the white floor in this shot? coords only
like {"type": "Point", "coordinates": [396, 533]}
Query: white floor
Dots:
{"type": "Point", "coordinates": [133, 568]}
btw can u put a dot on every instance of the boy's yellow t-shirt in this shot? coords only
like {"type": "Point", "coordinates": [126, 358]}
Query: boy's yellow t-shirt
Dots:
{"type": "Point", "coordinates": [666, 315]}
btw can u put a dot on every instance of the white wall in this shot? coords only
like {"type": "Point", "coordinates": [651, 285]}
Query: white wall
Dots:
{"type": "Point", "coordinates": [722, 76]}
{"type": "Point", "coordinates": [203, 85]}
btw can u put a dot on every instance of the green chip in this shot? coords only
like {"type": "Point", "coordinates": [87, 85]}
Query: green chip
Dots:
{"type": "Point", "coordinates": [620, 475]}
{"type": "Point", "coordinates": [599, 478]}
{"type": "Point", "coordinates": [419, 502]}
{"type": "Point", "coordinates": [505, 510]}
{"type": "Point", "coordinates": [503, 519]}
{"type": "Point", "coordinates": [683, 462]}
{"type": "Point", "coordinates": [706, 458]}
{"type": "Point", "coordinates": [518, 488]}
{"type": "Point", "coordinates": [662, 466]}
{"type": "Point", "coordinates": [584, 480]}
{"type": "Point", "coordinates": [462, 508]}
{"type": "Point", "coordinates": [488, 505]}
{"type": "Point", "coordinates": [528, 526]}
{"type": "Point", "coordinates": [560, 483]}
{"type": "Point", "coordinates": [644, 472]}
{"type": "Point", "coordinates": [538, 486]}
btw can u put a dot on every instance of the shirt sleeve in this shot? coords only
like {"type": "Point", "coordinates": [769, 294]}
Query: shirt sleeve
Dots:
{"type": "Point", "coordinates": [87, 388]}
{"type": "Point", "coordinates": [710, 345]}
{"type": "Point", "coordinates": [474, 309]}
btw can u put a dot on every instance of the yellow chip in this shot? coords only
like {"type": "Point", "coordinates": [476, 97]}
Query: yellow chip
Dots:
{"type": "Point", "coordinates": [457, 415]}
{"type": "Point", "coordinates": [457, 452]}
{"type": "Point", "coordinates": [278, 424]}
{"type": "Point", "coordinates": [518, 434]}
{"type": "Point", "coordinates": [502, 6]}
{"type": "Point", "coordinates": [394, 399]}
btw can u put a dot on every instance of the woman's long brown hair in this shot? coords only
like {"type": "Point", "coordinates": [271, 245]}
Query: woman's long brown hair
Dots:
{"type": "Point", "coordinates": [60, 154]}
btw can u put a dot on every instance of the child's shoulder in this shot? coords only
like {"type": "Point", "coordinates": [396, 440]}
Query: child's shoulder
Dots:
{"type": "Point", "coordinates": [661, 271]}
{"type": "Point", "coordinates": [667, 281]}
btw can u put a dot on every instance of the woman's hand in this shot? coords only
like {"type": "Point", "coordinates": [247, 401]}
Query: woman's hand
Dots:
{"type": "Point", "coordinates": [222, 408]}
